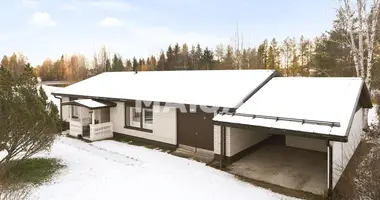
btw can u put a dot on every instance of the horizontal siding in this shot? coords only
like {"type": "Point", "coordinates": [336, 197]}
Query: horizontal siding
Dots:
{"type": "Point", "coordinates": [237, 139]}
{"type": "Point", "coordinates": [342, 152]}
{"type": "Point", "coordinates": [164, 124]}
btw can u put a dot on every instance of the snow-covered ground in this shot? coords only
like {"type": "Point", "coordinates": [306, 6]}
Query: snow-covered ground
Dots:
{"type": "Point", "coordinates": [113, 170]}
{"type": "Point", "coordinates": [372, 116]}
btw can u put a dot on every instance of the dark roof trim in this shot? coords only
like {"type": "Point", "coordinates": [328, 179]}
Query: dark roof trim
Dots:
{"type": "Point", "coordinates": [274, 74]}
{"type": "Point", "coordinates": [108, 104]}
{"type": "Point", "coordinates": [128, 100]}
{"type": "Point", "coordinates": [284, 131]}
{"type": "Point", "coordinates": [364, 99]}
{"type": "Point", "coordinates": [307, 121]}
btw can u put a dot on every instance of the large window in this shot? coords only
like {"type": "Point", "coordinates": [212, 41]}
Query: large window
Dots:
{"type": "Point", "coordinates": [139, 118]}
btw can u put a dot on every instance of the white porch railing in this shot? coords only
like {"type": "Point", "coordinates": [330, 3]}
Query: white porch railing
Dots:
{"type": "Point", "coordinates": [101, 131]}
{"type": "Point", "coordinates": [76, 128]}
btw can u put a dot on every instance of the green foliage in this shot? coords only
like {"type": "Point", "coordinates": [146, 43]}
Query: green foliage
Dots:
{"type": "Point", "coordinates": [31, 171]}
{"type": "Point", "coordinates": [28, 124]}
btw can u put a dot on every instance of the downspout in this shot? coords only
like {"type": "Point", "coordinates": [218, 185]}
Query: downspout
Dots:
{"type": "Point", "coordinates": [60, 105]}
{"type": "Point", "coordinates": [329, 169]}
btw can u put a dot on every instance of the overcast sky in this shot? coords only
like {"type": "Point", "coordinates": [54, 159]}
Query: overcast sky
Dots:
{"type": "Point", "coordinates": [50, 28]}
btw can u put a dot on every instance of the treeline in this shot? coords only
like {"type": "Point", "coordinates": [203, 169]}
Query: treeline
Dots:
{"type": "Point", "coordinates": [326, 55]}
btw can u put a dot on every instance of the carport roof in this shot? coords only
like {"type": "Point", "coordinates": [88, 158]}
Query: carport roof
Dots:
{"type": "Point", "coordinates": [320, 106]}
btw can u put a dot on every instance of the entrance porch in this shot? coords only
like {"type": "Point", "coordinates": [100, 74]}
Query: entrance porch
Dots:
{"type": "Point", "coordinates": [90, 119]}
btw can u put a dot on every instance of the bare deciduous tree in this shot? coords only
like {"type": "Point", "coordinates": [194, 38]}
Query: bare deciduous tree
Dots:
{"type": "Point", "coordinates": [361, 32]}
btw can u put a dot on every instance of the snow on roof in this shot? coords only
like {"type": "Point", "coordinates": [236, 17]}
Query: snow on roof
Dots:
{"type": "Point", "coordinates": [222, 88]}
{"type": "Point", "coordinates": [301, 99]}
{"type": "Point", "coordinates": [89, 103]}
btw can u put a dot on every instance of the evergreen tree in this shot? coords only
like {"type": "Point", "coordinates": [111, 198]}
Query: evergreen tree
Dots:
{"type": "Point", "coordinates": [185, 56]}
{"type": "Point", "coordinates": [228, 60]}
{"type": "Point", "coordinates": [262, 54]}
{"type": "Point", "coordinates": [28, 123]}
{"type": "Point", "coordinates": [108, 65]}
{"type": "Point", "coordinates": [161, 62]}
{"type": "Point", "coordinates": [198, 57]}
{"type": "Point", "coordinates": [207, 59]}
{"type": "Point", "coordinates": [135, 65]}
{"type": "Point", "coordinates": [128, 65]}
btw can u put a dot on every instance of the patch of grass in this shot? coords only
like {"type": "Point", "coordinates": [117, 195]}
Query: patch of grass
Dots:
{"type": "Point", "coordinates": [32, 171]}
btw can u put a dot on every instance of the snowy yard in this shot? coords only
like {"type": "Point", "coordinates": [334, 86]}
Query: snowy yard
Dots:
{"type": "Point", "coordinates": [113, 170]}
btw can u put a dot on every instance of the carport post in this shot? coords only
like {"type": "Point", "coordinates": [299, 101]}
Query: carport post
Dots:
{"type": "Point", "coordinates": [222, 145]}
{"type": "Point", "coordinates": [329, 169]}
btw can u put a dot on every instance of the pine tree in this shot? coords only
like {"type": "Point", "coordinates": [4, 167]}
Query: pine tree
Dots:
{"type": "Point", "coordinates": [185, 56]}
{"type": "Point", "coordinates": [176, 56]}
{"type": "Point", "coordinates": [198, 57]}
{"type": "Point", "coordinates": [135, 65]}
{"type": "Point", "coordinates": [28, 124]}
{"type": "Point", "coordinates": [229, 58]}
{"type": "Point", "coordinates": [161, 62]}
{"type": "Point", "coordinates": [262, 54]}
{"type": "Point", "coordinates": [207, 59]}
{"type": "Point", "coordinates": [128, 65]}
{"type": "Point", "coordinates": [108, 65]}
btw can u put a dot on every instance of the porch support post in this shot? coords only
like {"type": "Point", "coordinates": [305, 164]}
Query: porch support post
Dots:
{"type": "Point", "coordinates": [70, 110]}
{"type": "Point", "coordinates": [329, 169]}
{"type": "Point", "coordinates": [80, 115]}
{"type": "Point", "coordinates": [92, 117]}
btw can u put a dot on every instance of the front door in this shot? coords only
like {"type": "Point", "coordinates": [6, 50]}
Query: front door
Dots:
{"type": "Point", "coordinates": [196, 130]}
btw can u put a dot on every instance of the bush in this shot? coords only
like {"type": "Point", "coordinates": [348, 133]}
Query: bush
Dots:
{"type": "Point", "coordinates": [65, 125]}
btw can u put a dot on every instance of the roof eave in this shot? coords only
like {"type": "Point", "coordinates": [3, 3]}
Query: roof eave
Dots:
{"type": "Point", "coordinates": [286, 132]}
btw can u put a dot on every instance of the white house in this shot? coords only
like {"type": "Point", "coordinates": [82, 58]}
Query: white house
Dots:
{"type": "Point", "coordinates": [243, 115]}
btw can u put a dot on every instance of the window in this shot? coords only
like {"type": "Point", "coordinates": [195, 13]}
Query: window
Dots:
{"type": "Point", "coordinates": [148, 118]}
{"type": "Point", "coordinates": [138, 118]}
{"type": "Point", "coordinates": [135, 117]}
{"type": "Point", "coordinates": [74, 109]}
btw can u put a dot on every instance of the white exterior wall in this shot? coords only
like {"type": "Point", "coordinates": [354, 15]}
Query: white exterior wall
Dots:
{"type": "Point", "coordinates": [342, 152]}
{"type": "Point", "coordinates": [65, 109]}
{"type": "Point", "coordinates": [306, 143]}
{"type": "Point", "coordinates": [164, 124]}
{"type": "Point", "coordinates": [237, 139]}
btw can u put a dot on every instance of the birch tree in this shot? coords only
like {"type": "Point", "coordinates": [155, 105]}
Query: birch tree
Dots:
{"type": "Point", "coordinates": [361, 32]}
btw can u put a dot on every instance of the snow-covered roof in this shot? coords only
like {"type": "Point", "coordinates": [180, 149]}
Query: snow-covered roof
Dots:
{"type": "Point", "coordinates": [221, 88]}
{"type": "Point", "coordinates": [89, 103]}
{"type": "Point", "coordinates": [312, 105]}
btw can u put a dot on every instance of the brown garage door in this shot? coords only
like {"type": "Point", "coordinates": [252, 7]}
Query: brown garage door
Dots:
{"type": "Point", "coordinates": [196, 130]}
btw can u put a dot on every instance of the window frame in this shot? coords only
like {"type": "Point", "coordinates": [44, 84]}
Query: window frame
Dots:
{"type": "Point", "coordinates": [129, 123]}
{"type": "Point", "coordinates": [74, 108]}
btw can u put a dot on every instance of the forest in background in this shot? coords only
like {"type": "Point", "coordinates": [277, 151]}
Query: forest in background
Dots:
{"type": "Point", "coordinates": [326, 55]}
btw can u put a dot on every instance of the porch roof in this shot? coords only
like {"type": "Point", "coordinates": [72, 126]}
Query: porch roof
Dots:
{"type": "Point", "coordinates": [311, 107]}
{"type": "Point", "coordinates": [90, 103]}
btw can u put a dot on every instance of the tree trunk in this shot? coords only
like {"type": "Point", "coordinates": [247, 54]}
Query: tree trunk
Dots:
{"type": "Point", "coordinates": [365, 120]}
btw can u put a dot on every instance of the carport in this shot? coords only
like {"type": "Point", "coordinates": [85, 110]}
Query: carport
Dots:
{"type": "Point", "coordinates": [279, 164]}
{"type": "Point", "coordinates": [297, 133]}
